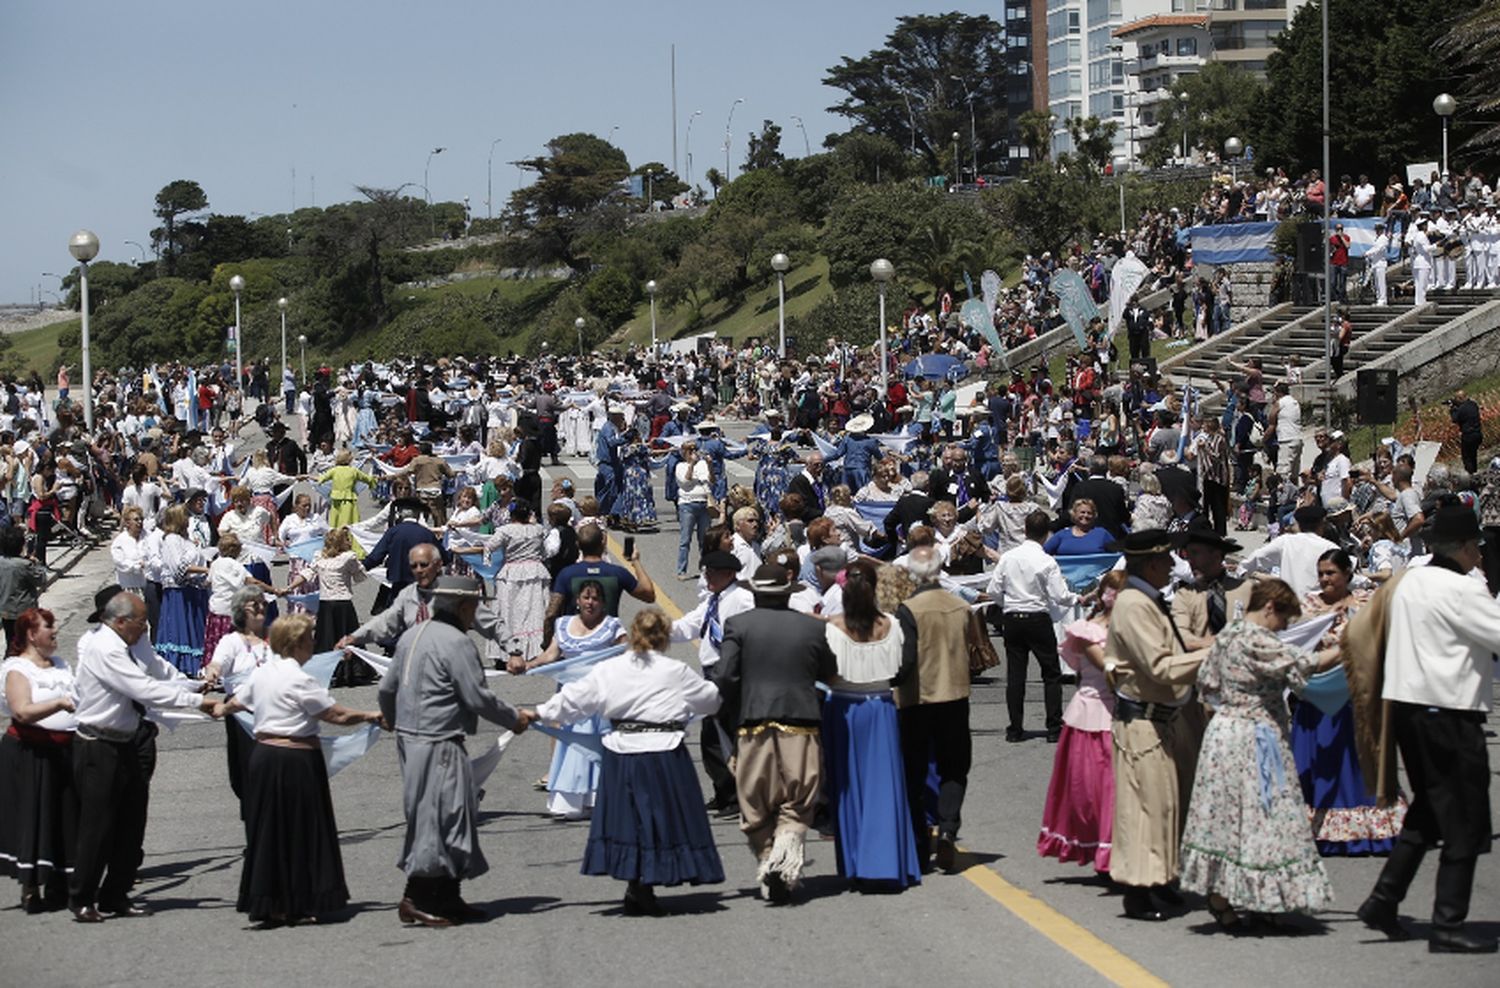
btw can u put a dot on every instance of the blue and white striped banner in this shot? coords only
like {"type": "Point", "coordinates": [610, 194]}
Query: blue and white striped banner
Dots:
{"type": "Point", "coordinates": [1230, 243]}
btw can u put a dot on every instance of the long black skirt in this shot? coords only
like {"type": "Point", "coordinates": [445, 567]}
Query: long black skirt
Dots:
{"type": "Point", "coordinates": [649, 824]}
{"type": "Point", "coordinates": [336, 618]}
{"type": "Point", "coordinates": [293, 868]}
{"type": "Point", "coordinates": [38, 811]}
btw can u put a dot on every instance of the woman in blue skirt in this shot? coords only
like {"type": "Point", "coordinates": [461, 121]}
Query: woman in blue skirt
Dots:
{"type": "Point", "coordinates": [184, 595]}
{"type": "Point", "coordinates": [649, 827]}
{"type": "Point", "coordinates": [866, 782]}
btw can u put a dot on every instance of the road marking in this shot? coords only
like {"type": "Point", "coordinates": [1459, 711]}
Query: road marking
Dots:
{"type": "Point", "coordinates": [1114, 966]}
{"type": "Point", "coordinates": [663, 599]}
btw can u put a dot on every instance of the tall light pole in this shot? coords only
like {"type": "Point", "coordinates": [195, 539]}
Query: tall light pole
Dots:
{"type": "Point", "coordinates": [1445, 106]}
{"type": "Point", "coordinates": [281, 304]}
{"type": "Point", "coordinates": [973, 131]}
{"type": "Point", "coordinates": [578, 325]}
{"type": "Point", "coordinates": [85, 247]}
{"type": "Point", "coordinates": [425, 191]}
{"type": "Point", "coordinates": [489, 184]}
{"type": "Point", "coordinates": [140, 248]}
{"type": "Point", "coordinates": [1233, 148]}
{"type": "Point", "coordinates": [780, 263]}
{"type": "Point", "coordinates": [883, 271]}
{"type": "Point", "coordinates": [806, 144]}
{"type": "Point", "coordinates": [688, 148]}
{"type": "Point", "coordinates": [302, 342]}
{"type": "Point", "coordinates": [611, 138]}
{"type": "Point", "coordinates": [957, 174]}
{"type": "Point", "coordinates": [237, 285]}
{"type": "Point", "coordinates": [651, 293]}
{"type": "Point", "coordinates": [728, 122]}
{"type": "Point", "coordinates": [1327, 257]}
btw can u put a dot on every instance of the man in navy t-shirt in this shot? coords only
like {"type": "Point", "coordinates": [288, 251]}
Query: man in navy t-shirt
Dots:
{"type": "Point", "coordinates": [591, 566]}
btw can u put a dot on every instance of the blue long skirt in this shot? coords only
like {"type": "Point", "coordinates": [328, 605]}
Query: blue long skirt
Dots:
{"type": "Point", "coordinates": [1345, 819]}
{"type": "Point", "coordinates": [650, 825]}
{"type": "Point", "coordinates": [867, 786]}
{"type": "Point", "coordinates": [179, 640]}
{"type": "Point", "coordinates": [573, 777]}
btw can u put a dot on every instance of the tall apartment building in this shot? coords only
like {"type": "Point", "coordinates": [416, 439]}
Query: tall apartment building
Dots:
{"type": "Point", "coordinates": [1244, 31]}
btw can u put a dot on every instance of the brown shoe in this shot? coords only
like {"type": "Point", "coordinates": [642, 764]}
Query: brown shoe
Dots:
{"type": "Point", "coordinates": [87, 914]}
{"type": "Point", "coordinates": [409, 913]}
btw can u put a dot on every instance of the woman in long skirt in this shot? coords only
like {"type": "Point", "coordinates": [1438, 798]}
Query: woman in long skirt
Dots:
{"type": "Point", "coordinates": [650, 827]}
{"type": "Point", "coordinates": [39, 822]}
{"type": "Point", "coordinates": [184, 594]}
{"type": "Point", "coordinates": [1078, 820]}
{"type": "Point", "coordinates": [636, 505]}
{"type": "Point", "coordinates": [1247, 845]}
{"type": "Point", "coordinates": [573, 777]}
{"type": "Point", "coordinates": [866, 780]}
{"type": "Point", "coordinates": [293, 871]}
{"type": "Point", "coordinates": [232, 660]}
{"type": "Point", "coordinates": [344, 495]}
{"type": "Point", "coordinates": [522, 586]}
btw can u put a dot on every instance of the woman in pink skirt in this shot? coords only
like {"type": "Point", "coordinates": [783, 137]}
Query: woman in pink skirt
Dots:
{"type": "Point", "coordinates": [1078, 820]}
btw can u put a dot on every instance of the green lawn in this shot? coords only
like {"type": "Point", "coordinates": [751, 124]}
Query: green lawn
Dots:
{"type": "Point", "coordinates": [806, 286]}
{"type": "Point", "coordinates": [38, 347]}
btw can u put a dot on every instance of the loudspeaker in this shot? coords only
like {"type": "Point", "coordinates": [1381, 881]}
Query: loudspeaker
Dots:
{"type": "Point", "coordinates": [1147, 364]}
{"type": "Point", "coordinates": [1310, 248]}
{"type": "Point", "coordinates": [1376, 396]}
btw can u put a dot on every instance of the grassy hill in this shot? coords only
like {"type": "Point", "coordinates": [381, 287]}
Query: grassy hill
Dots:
{"type": "Point", "coordinates": [755, 315]}
{"type": "Point", "coordinates": [38, 347]}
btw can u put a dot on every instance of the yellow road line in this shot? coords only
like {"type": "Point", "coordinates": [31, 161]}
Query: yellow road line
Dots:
{"type": "Point", "coordinates": [663, 599]}
{"type": "Point", "coordinates": [1114, 966]}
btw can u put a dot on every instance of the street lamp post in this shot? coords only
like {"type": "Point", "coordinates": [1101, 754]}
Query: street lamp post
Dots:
{"type": "Point", "coordinates": [883, 271]}
{"type": "Point", "coordinates": [1445, 106]}
{"type": "Point", "coordinates": [780, 263]}
{"type": "Point", "coordinates": [302, 342]}
{"type": "Point", "coordinates": [489, 185]}
{"type": "Point", "coordinates": [957, 172]}
{"type": "Point", "coordinates": [651, 293]}
{"type": "Point", "coordinates": [689, 146]}
{"type": "Point", "coordinates": [806, 144]}
{"type": "Point", "coordinates": [85, 247]}
{"type": "Point", "coordinates": [578, 325]}
{"type": "Point", "coordinates": [425, 191]}
{"type": "Point", "coordinates": [1233, 148]}
{"type": "Point", "coordinates": [140, 248]}
{"type": "Point", "coordinates": [727, 139]}
{"type": "Point", "coordinates": [281, 304]}
{"type": "Point", "coordinates": [973, 131]}
{"type": "Point", "coordinates": [237, 285]}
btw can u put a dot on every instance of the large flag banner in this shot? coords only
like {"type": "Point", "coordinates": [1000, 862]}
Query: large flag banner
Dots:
{"type": "Point", "coordinates": [1125, 278]}
{"type": "Point", "coordinates": [1076, 302]}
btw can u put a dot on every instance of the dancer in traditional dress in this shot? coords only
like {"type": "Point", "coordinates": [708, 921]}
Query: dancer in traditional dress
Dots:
{"type": "Point", "coordinates": [344, 497]}
{"type": "Point", "coordinates": [184, 596]}
{"type": "Point", "coordinates": [232, 660]}
{"type": "Point", "coordinates": [649, 827]}
{"type": "Point", "coordinates": [521, 586]}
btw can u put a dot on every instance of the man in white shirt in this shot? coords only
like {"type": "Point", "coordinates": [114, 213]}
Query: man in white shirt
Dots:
{"type": "Point", "coordinates": [118, 677]}
{"type": "Point", "coordinates": [1378, 261]}
{"type": "Point", "coordinates": [1364, 197]}
{"type": "Point", "coordinates": [1439, 659]}
{"type": "Point", "coordinates": [725, 599]}
{"type": "Point", "coordinates": [1294, 556]}
{"type": "Point", "coordinates": [1420, 249]}
{"type": "Point", "coordinates": [1286, 418]}
{"type": "Point", "coordinates": [1335, 483]}
{"type": "Point", "coordinates": [1027, 585]}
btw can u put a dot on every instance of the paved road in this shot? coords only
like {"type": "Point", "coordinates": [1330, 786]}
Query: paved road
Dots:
{"type": "Point", "coordinates": [1010, 918]}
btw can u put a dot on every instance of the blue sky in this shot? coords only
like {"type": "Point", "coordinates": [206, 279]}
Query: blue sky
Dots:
{"type": "Point", "coordinates": [102, 104]}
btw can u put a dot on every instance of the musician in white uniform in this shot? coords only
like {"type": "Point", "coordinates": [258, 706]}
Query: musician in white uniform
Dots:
{"type": "Point", "coordinates": [1444, 267]}
{"type": "Point", "coordinates": [1419, 249]}
{"type": "Point", "coordinates": [1377, 261]}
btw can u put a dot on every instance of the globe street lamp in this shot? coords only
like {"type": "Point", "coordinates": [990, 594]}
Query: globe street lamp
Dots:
{"type": "Point", "coordinates": [1233, 148]}
{"type": "Point", "coordinates": [957, 174]}
{"type": "Point", "coordinates": [1445, 106]}
{"type": "Point", "coordinates": [728, 122]}
{"type": "Point", "coordinates": [651, 292]}
{"type": "Point", "coordinates": [237, 285]}
{"type": "Point", "coordinates": [883, 271]}
{"type": "Point", "coordinates": [85, 247]}
{"type": "Point", "coordinates": [281, 304]}
{"type": "Point", "coordinates": [780, 263]}
{"type": "Point", "coordinates": [578, 325]}
{"type": "Point", "coordinates": [489, 188]}
{"type": "Point", "coordinates": [427, 192]}
{"type": "Point", "coordinates": [302, 341]}
{"type": "Point", "coordinates": [689, 147]}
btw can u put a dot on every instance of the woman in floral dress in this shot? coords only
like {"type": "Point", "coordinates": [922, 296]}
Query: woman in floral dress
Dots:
{"type": "Point", "coordinates": [1247, 845]}
{"type": "Point", "coordinates": [636, 506]}
{"type": "Point", "coordinates": [521, 586]}
{"type": "Point", "coordinates": [773, 472]}
{"type": "Point", "coordinates": [1345, 818]}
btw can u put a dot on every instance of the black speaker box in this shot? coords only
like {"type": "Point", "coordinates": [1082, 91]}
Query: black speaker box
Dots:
{"type": "Point", "coordinates": [1375, 396]}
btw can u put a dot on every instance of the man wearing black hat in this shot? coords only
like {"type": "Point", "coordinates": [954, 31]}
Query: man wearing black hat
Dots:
{"type": "Point", "coordinates": [284, 453]}
{"type": "Point", "coordinates": [1152, 668]}
{"type": "Point", "coordinates": [725, 599]}
{"type": "Point", "coordinates": [771, 661]}
{"type": "Point", "coordinates": [1215, 596]}
{"type": "Point", "coordinates": [1440, 640]}
{"type": "Point", "coordinates": [433, 695]}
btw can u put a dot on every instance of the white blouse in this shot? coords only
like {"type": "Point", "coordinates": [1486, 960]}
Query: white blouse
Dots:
{"type": "Point", "coordinates": [238, 655]}
{"type": "Point", "coordinates": [295, 528]}
{"type": "Point", "coordinates": [286, 701]}
{"type": "Point", "coordinates": [131, 559]}
{"type": "Point", "coordinates": [651, 687]}
{"type": "Point", "coordinates": [338, 575]}
{"type": "Point", "coordinates": [866, 666]}
{"type": "Point", "coordinates": [225, 576]}
{"type": "Point", "coordinates": [177, 554]}
{"type": "Point", "coordinates": [46, 684]}
{"type": "Point", "coordinates": [249, 526]}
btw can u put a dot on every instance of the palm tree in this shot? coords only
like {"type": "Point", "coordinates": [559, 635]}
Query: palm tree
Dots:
{"type": "Point", "coordinates": [940, 252]}
{"type": "Point", "coordinates": [1473, 43]}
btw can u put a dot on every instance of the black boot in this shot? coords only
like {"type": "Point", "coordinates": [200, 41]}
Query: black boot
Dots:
{"type": "Point", "coordinates": [1379, 911]}
{"type": "Point", "coordinates": [454, 906]}
{"type": "Point", "coordinates": [1450, 907]}
{"type": "Point", "coordinates": [419, 903]}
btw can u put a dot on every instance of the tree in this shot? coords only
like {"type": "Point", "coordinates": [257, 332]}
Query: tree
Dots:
{"type": "Point", "coordinates": [704, 272]}
{"type": "Point", "coordinates": [714, 178]}
{"type": "Point", "coordinates": [174, 204]}
{"type": "Point", "coordinates": [916, 90]}
{"type": "Point", "coordinates": [1036, 133]}
{"type": "Point", "coordinates": [764, 149]}
{"type": "Point", "coordinates": [1093, 142]}
{"type": "Point", "coordinates": [949, 240]}
{"type": "Point", "coordinates": [1047, 209]}
{"type": "Point", "coordinates": [663, 185]}
{"type": "Point", "coordinates": [575, 179]}
{"type": "Point", "coordinates": [867, 222]}
{"type": "Point", "coordinates": [1219, 102]}
{"type": "Point", "coordinates": [1383, 66]}
{"type": "Point", "coordinates": [1472, 44]}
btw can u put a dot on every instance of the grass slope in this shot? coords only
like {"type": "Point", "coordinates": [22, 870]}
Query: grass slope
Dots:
{"type": "Point", "coordinates": [38, 347]}
{"type": "Point", "coordinates": [806, 286]}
